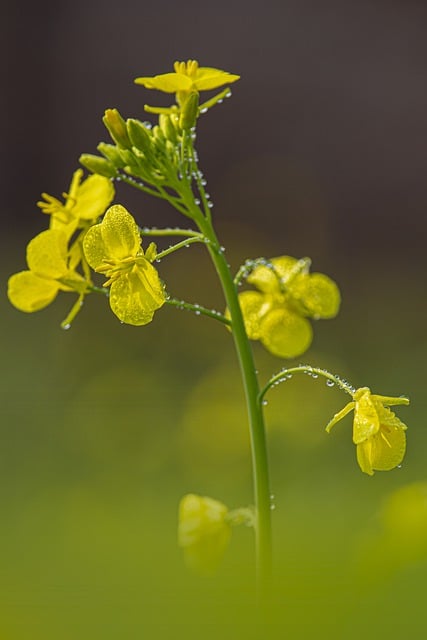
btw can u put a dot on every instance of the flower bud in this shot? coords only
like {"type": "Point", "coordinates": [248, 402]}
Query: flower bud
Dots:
{"type": "Point", "coordinates": [98, 165]}
{"type": "Point", "coordinates": [203, 532]}
{"type": "Point", "coordinates": [167, 126]}
{"type": "Point", "coordinates": [139, 136]}
{"type": "Point", "coordinates": [117, 128]}
{"type": "Point", "coordinates": [189, 111]}
{"type": "Point", "coordinates": [112, 153]}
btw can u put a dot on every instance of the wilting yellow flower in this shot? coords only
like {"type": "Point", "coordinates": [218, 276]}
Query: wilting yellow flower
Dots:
{"type": "Point", "coordinates": [84, 203]}
{"type": "Point", "coordinates": [378, 433]}
{"type": "Point", "coordinates": [203, 532]}
{"type": "Point", "coordinates": [113, 247]}
{"type": "Point", "coordinates": [188, 77]}
{"type": "Point", "coordinates": [288, 294]}
{"type": "Point", "coordinates": [49, 272]}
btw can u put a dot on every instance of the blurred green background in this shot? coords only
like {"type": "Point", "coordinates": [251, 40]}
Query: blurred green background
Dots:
{"type": "Point", "coordinates": [320, 152]}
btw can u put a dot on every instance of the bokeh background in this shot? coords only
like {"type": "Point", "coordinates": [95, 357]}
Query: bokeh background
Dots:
{"type": "Point", "coordinates": [321, 151]}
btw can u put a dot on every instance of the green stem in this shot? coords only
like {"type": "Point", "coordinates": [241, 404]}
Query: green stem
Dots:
{"type": "Point", "coordinates": [255, 413]}
{"type": "Point", "coordinates": [198, 310]}
{"type": "Point", "coordinates": [314, 372]}
{"type": "Point", "coordinates": [179, 245]}
{"type": "Point", "coordinates": [170, 231]}
{"type": "Point", "coordinates": [262, 500]}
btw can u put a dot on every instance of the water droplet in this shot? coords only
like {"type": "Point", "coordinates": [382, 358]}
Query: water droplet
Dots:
{"type": "Point", "coordinates": [210, 205]}
{"type": "Point", "coordinates": [330, 383]}
{"type": "Point", "coordinates": [399, 466]}
{"type": "Point", "coordinates": [204, 110]}
{"type": "Point", "coordinates": [272, 507]}
{"type": "Point", "coordinates": [265, 403]}
{"type": "Point", "coordinates": [66, 326]}
{"type": "Point", "coordinates": [315, 375]}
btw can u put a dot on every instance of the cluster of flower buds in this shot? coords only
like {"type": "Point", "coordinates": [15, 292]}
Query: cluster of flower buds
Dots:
{"type": "Point", "coordinates": [142, 151]}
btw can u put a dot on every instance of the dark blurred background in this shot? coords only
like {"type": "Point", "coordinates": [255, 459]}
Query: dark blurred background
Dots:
{"type": "Point", "coordinates": [321, 151]}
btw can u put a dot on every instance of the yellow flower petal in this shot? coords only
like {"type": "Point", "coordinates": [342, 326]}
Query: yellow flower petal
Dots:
{"type": "Point", "coordinates": [29, 292]}
{"type": "Point", "coordinates": [93, 197]}
{"type": "Point", "coordinates": [136, 295]}
{"type": "Point", "coordinates": [285, 334]}
{"type": "Point", "coordinates": [120, 233]}
{"type": "Point", "coordinates": [47, 254]}
{"type": "Point", "coordinates": [317, 294]}
{"type": "Point", "coordinates": [254, 306]}
{"type": "Point", "coordinates": [94, 248]}
{"type": "Point", "coordinates": [366, 421]}
{"type": "Point", "coordinates": [383, 451]}
{"type": "Point", "coordinates": [167, 82]}
{"type": "Point", "coordinates": [209, 78]}
{"type": "Point", "coordinates": [266, 279]}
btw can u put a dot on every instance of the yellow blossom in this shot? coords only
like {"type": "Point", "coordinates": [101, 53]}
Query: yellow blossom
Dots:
{"type": "Point", "coordinates": [287, 294]}
{"type": "Point", "coordinates": [188, 77]}
{"type": "Point", "coordinates": [84, 203]}
{"type": "Point", "coordinates": [113, 247]}
{"type": "Point", "coordinates": [185, 82]}
{"type": "Point", "coordinates": [49, 272]}
{"type": "Point", "coordinates": [378, 433]}
{"type": "Point", "coordinates": [203, 532]}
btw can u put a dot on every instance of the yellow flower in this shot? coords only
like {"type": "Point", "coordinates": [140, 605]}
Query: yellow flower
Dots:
{"type": "Point", "coordinates": [378, 433]}
{"type": "Point", "coordinates": [84, 203]}
{"type": "Point", "coordinates": [185, 82]}
{"type": "Point", "coordinates": [49, 272]}
{"type": "Point", "coordinates": [277, 313]}
{"type": "Point", "coordinates": [203, 532]}
{"type": "Point", "coordinates": [113, 248]}
{"type": "Point", "coordinates": [188, 77]}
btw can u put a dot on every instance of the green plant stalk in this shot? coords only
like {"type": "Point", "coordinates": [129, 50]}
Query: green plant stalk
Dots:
{"type": "Point", "coordinates": [263, 534]}
{"type": "Point", "coordinates": [186, 203]}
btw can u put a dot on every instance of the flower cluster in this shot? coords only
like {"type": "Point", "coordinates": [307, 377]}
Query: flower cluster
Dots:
{"type": "Point", "coordinates": [59, 258]}
{"type": "Point", "coordinates": [287, 295]}
{"type": "Point", "coordinates": [54, 255]}
{"type": "Point", "coordinates": [378, 433]}
{"type": "Point", "coordinates": [154, 153]}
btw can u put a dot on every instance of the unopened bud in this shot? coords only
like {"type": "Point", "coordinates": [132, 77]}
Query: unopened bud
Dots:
{"type": "Point", "coordinates": [189, 111]}
{"type": "Point", "coordinates": [168, 128]}
{"type": "Point", "coordinates": [139, 136]}
{"type": "Point", "coordinates": [98, 165]}
{"type": "Point", "coordinates": [117, 128]}
{"type": "Point", "coordinates": [112, 154]}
